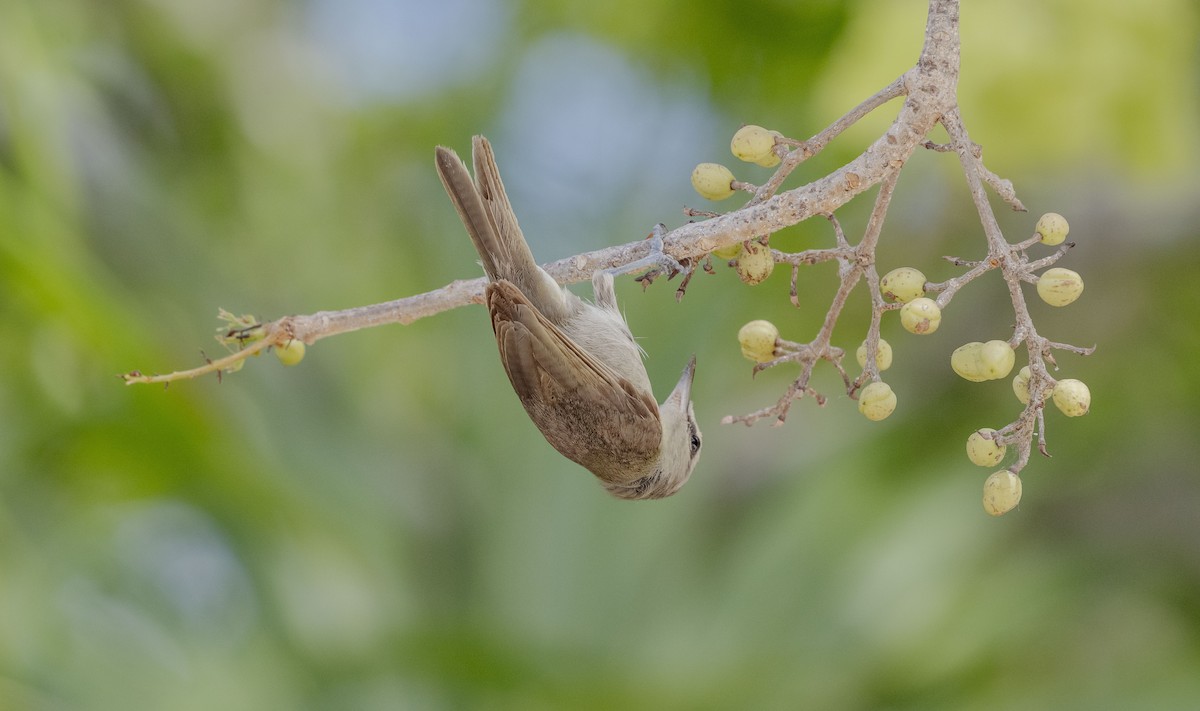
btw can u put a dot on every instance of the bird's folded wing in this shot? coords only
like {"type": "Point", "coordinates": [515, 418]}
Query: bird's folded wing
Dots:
{"type": "Point", "coordinates": [569, 393]}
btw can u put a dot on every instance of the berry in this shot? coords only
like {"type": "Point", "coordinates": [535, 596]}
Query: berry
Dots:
{"type": "Point", "coordinates": [1072, 397]}
{"type": "Point", "coordinates": [752, 144]}
{"type": "Point", "coordinates": [291, 352]}
{"type": "Point", "coordinates": [1059, 287]}
{"type": "Point", "coordinates": [902, 284]}
{"type": "Point", "coordinates": [769, 161]}
{"type": "Point", "coordinates": [877, 401]}
{"type": "Point", "coordinates": [977, 361]}
{"type": "Point", "coordinates": [712, 181]}
{"type": "Point", "coordinates": [965, 361]}
{"type": "Point", "coordinates": [1021, 385]}
{"type": "Point", "coordinates": [883, 355]}
{"type": "Point", "coordinates": [728, 253]}
{"type": "Point", "coordinates": [921, 316]}
{"type": "Point", "coordinates": [1001, 492]}
{"type": "Point", "coordinates": [756, 263]}
{"type": "Point", "coordinates": [996, 360]}
{"type": "Point", "coordinates": [757, 339]}
{"type": "Point", "coordinates": [1052, 228]}
{"type": "Point", "coordinates": [982, 449]}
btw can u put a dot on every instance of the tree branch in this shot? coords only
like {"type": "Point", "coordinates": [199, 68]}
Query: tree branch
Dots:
{"type": "Point", "coordinates": [929, 92]}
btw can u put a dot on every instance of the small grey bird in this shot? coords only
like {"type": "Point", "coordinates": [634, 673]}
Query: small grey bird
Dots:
{"type": "Point", "coordinates": [574, 364]}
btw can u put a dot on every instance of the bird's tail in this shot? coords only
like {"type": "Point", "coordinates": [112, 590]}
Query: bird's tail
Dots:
{"type": "Point", "coordinates": [487, 214]}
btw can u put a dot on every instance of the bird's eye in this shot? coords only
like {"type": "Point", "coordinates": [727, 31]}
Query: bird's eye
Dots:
{"type": "Point", "coordinates": [695, 441]}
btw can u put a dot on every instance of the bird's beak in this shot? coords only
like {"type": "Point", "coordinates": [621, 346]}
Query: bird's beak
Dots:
{"type": "Point", "coordinates": [682, 393]}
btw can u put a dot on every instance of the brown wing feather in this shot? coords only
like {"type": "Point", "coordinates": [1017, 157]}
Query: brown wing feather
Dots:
{"type": "Point", "coordinates": [585, 410]}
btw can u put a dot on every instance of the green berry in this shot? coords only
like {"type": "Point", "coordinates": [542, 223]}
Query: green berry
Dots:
{"type": "Point", "coordinates": [982, 449]}
{"type": "Point", "coordinates": [965, 361]}
{"type": "Point", "coordinates": [769, 161]}
{"type": "Point", "coordinates": [757, 339]}
{"type": "Point", "coordinates": [1052, 228]}
{"type": "Point", "coordinates": [1059, 287]}
{"type": "Point", "coordinates": [1001, 492]}
{"type": "Point", "coordinates": [1020, 385]}
{"type": "Point", "coordinates": [921, 316]}
{"type": "Point", "coordinates": [728, 253]}
{"type": "Point", "coordinates": [996, 360]}
{"type": "Point", "coordinates": [978, 362]}
{"type": "Point", "coordinates": [1072, 397]}
{"type": "Point", "coordinates": [712, 181]}
{"type": "Point", "coordinates": [883, 355]}
{"type": "Point", "coordinates": [755, 263]}
{"type": "Point", "coordinates": [902, 284]}
{"type": "Point", "coordinates": [291, 352]}
{"type": "Point", "coordinates": [877, 401]}
{"type": "Point", "coordinates": [753, 143]}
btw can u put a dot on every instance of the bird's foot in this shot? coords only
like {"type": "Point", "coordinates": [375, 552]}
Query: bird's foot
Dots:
{"type": "Point", "coordinates": [655, 264]}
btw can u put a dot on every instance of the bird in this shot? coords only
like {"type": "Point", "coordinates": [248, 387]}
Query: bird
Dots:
{"type": "Point", "coordinates": [574, 364]}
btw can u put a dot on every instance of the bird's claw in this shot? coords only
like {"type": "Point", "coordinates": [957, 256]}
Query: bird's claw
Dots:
{"type": "Point", "coordinates": [656, 263]}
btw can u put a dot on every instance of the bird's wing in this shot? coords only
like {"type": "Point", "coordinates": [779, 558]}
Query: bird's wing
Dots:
{"type": "Point", "coordinates": [588, 412]}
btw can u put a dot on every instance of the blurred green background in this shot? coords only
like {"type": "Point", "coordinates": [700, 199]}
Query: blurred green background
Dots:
{"type": "Point", "coordinates": [383, 528]}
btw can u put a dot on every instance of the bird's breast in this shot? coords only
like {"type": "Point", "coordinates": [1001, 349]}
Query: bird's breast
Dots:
{"type": "Point", "coordinates": [605, 336]}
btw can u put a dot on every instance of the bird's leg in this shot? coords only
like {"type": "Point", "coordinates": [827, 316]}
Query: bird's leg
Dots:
{"type": "Point", "coordinates": [656, 263]}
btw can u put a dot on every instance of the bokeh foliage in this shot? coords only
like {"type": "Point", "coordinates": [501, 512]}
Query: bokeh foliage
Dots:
{"type": "Point", "coordinates": [381, 527]}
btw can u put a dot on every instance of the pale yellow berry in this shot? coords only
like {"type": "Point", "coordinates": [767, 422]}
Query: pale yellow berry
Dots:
{"type": "Point", "coordinates": [877, 401]}
{"type": "Point", "coordinates": [982, 449]}
{"type": "Point", "coordinates": [921, 316]}
{"type": "Point", "coordinates": [883, 355]}
{"type": "Point", "coordinates": [755, 263]}
{"type": "Point", "coordinates": [752, 143]}
{"type": "Point", "coordinates": [290, 353]}
{"type": "Point", "coordinates": [1072, 397]}
{"type": "Point", "coordinates": [996, 360]}
{"type": "Point", "coordinates": [902, 284]}
{"type": "Point", "coordinates": [1052, 228]}
{"type": "Point", "coordinates": [1059, 287]}
{"type": "Point", "coordinates": [712, 181]}
{"type": "Point", "coordinates": [730, 252]}
{"type": "Point", "coordinates": [1001, 492]}
{"type": "Point", "coordinates": [757, 339]}
{"type": "Point", "coordinates": [769, 161]}
{"type": "Point", "coordinates": [977, 361]}
{"type": "Point", "coordinates": [965, 361]}
{"type": "Point", "coordinates": [1021, 385]}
